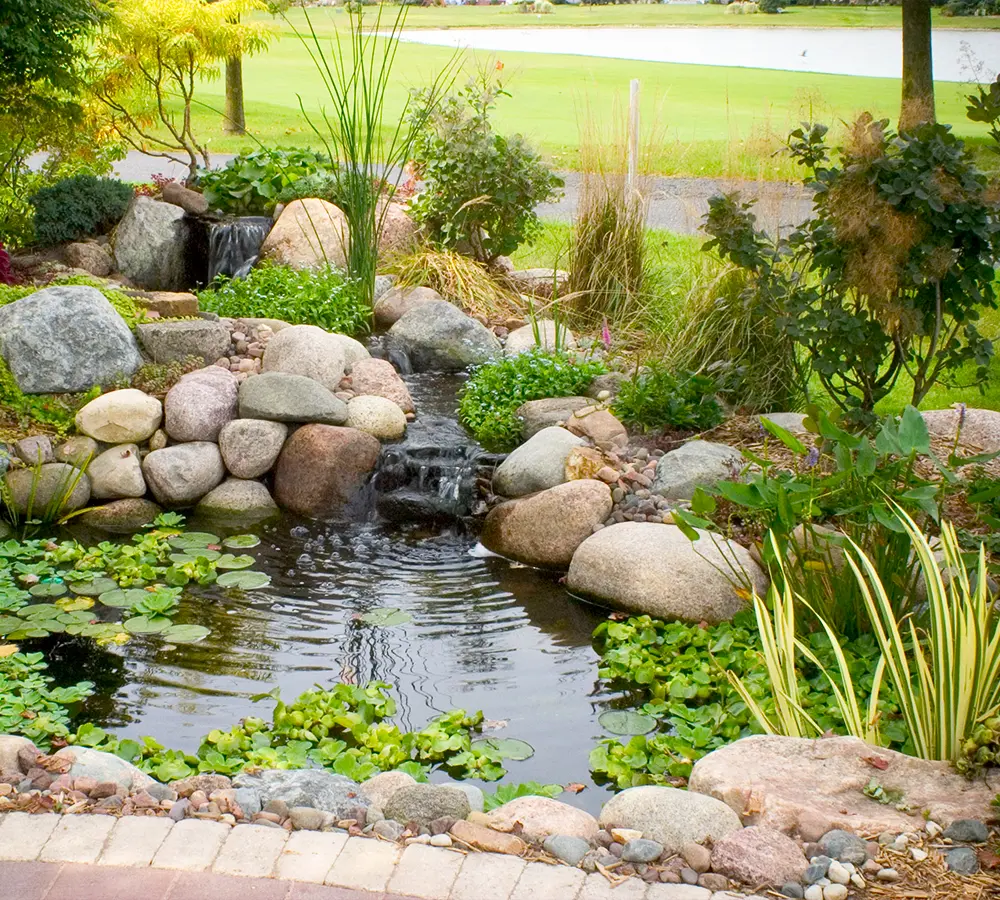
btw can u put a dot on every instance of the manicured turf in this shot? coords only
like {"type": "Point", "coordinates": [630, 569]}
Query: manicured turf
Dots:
{"type": "Point", "coordinates": [707, 120]}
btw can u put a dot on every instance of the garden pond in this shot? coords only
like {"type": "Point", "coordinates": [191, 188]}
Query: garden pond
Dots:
{"type": "Point", "coordinates": [410, 604]}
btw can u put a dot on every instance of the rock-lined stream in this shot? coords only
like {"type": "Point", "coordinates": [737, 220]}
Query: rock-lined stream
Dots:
{"type": "Point", "coordinates": [484, 634]}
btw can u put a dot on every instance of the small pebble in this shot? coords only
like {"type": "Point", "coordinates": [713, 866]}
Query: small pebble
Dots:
{"type": "Point", "coordinates": [640, 850]}
{"type": "Point", "coordinates": [837, 873]}
{"type": "Point", "coordinates": [888, 876]}
{"type": "Point", "coordinates": [793, 890]}
{"type": "Point", "coordinates": [932, 828]}
{"type": "Point", "coordinates": [962, 861]}
{"type": "Point", "coordinates": [697, 857]}
{"type": "Point", "coordinates": [440, 840]}
{"type": "Point", "coordinates": [967, 831]}
{"type": "Point", "coordinates": [858, 881]}
{"type": "Point", "coordinates": [918, 854]}
{"type": "Point", "coordinates": [689, 876]}
{"type": "Point", "coordinates": [835, 892]}
{"type": "Point", "coordinates": [713, 881]}
{"type": "Point", "coordinates": [813, 892]}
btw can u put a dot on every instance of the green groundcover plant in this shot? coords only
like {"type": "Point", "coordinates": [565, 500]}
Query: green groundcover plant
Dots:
{"type": "Point", "coordinates": [658, 398]}
{"type": "Point", "coordinates": [320, 297]}
{"type": "Point", "coordinates": [493, 394]}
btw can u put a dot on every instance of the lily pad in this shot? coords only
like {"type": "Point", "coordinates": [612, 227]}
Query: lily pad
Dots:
{"type": "Point", "coordinates": [9, 624]}
{"type": "Point", "coordinates": [246, 581]}
{"type": "Point", "coordinates": [75, 618]}
{"type": "Point", "coordinates": [72, 604]}
{"type": "Point", "coordinates": [191, 554]}
{"type": "Point", "coordinates": [93, 588]}
{"type": "Point", "coordinates": [47, 589]}
{"type": "Point", "coordinates": [386, 617]}
{"type": "Point", "coordinates": [123, 599]}
{"type": "Point", "coordinates": [185, 634]}
{"type": "Point", "coordinates": [507, 748]}
{"type": "Point", "coordinates": [241, 541]}
{"type": "Point", "coordinates": [39, 611]}
{"type": "Point", "coordinates": [228, 561]}
{"type": "Point", "coordinates": [147, 624]}
{"type": "Point", "coordinates": [626, 722]}
{"type": "Point", "coordinates": [193, 539]}
{"type": "Point", "coordinates": [25, 633]}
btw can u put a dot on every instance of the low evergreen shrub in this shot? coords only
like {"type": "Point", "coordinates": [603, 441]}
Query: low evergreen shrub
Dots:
{"type": "Point", "coordinates": [79, 207]}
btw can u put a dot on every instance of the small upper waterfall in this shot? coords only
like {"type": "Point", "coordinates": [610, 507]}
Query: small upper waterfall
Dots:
{"type": "Point", "coordinates": [234, 245]}
{"type": "Point", "coordinates": [432, 474]}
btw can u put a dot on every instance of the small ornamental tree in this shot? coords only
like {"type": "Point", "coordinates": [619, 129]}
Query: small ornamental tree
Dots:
{"type": "Point", "coordinates": [151, 57]}
{"type": "Point", "coordinates": [892, 271]}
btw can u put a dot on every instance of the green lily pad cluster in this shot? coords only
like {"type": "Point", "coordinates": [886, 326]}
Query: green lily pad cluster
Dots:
{"type": "Point", "coordinates": [683, 705]}
{"type": "Point", "coordinates": [113, 591]}
{"type": "Point", "coordinates": [345, 729]}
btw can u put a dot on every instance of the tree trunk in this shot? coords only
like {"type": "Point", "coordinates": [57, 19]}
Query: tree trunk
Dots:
{"type": "Point", "coordinates": [917, 104]}
{"type": "Point", "coordinates": [236, 122]}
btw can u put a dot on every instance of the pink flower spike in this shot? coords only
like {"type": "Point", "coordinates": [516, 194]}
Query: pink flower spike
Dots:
{"type": "Point", "coordinates": [606, 334]}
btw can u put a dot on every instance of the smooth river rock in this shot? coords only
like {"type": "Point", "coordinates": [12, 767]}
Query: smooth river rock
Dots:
{"type": "Point", "coordinates": [978, 428]}
{"type": "Point", "coordinates": [121, 516]}
{"type": "Point", "coordinates": [250, 447]}
{"type": "Point", "coordinates": [757, 856]}
{"type": "Point", "coordinates": [88, 763]}
{"type": "Point", "coordinates": [239, 499]}
{"type": "Point", "coordinates": [56, 487]}
{"type": "Point", "coordinates": [397, 302]}
{"type": "Point", "coordinates": [823, 781]}
{"type": "Point", "coordinates": [117, 474]}
{"type": "Point", "coordinates": [378, 378]}
{"type": "Point", "coordinates": [307, 350]}
{"type": "Point", "coordinates": [644, 567]}
{"type": "Point", "coordinates": [66, 338]}
{"type": "Point", "coordinates": [181, 475]}
{"type": "Point", "coordinates": [543, 333]}
{"type": "Point", "coordinates": [120, 417]}
{"type": "Point", "coordinates": [423, 803]}
{"type": "Point", "coordinates": [280, 397]}
{"type": "Point", "coordinates": [323, 468]}
{"type": "Point", "coordinates": [538, 414]}
{"type": "Point", "coordinates": [377, 416]}
{"type": "Point", "coordinates": [540, 817]}
{"type": "Point", "coordinates": [670, 816]}
{"type": "Point", "coordinates": [200, 404]}
{"type": "Point", "coordinates": [537, 465]}
{"type": "Point", "coordinates": [544, 529]}
{"type": "Point", "coordinates": [692, 465]}
{"type": "Point", "coordinates": [309, 233]}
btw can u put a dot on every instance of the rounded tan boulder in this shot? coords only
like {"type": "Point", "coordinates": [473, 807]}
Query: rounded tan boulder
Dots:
{"type": "Point", "coordinates": [309, 233]}
{"type": "Point", "coordinates": [545, 529]}
{"type": "Point", "coordinates": [377, 416]}
{"type": "Point", "coordinates": [539, 817]}
{"type": "Point", "coordinates": [120, 417]}
{"type": "Point", "coordinates": [378, 378]}
{"type": "Point", "coordinates": [655, 569]}
{"type": "Point", "coordinates": [397, 302]}
{"type": "Point", "coordinates": [309, 351]}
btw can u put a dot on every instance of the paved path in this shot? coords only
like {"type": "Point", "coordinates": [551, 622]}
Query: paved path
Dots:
{"type": "Point", "coordinates": [676, 204]}
{"type": "Point", "coordinates": [97, 857]}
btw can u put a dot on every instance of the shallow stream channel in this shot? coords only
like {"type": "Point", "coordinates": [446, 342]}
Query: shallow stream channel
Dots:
{"type": "Point", "coordinates": [471, 631]}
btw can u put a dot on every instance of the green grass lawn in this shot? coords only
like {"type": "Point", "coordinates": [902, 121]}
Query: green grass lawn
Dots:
{"type": "Point", "coordinates": [707, 120]}
{"type": "Point", "coordinates": [675, 262]}
{"type": "Point", "coordinates": [665, 14]}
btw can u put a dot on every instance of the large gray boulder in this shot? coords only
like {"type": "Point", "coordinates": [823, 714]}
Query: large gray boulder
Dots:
{"type": "Point", "coordinates": [65, 339]}
{"type": "Point", "coordinates": [151, 244]}
{"type": "Point", "coordinates": [310, 351]}
{"type": "Point", "coordinates": [200, 404]}
{"type": "Point", "coordinates": [88, 763]}
{"type": "Point", "coordinates": [250, 447]}
{"type": "Point", "coordinates": [670, 816]}
{"type": "Point", "coordinates": [397, 302]}
{"type": "Point", "coordinates": [692, 465]}
{"type": "Point", "coordinates": [117, 473]}
{"type": "Point", "coordinates": [53, 487]}
{"type": "Point", "coordinates": [644, 567]}
{"type": "Point", "coordinates": [175, 341]}
{"type": "Point", "coordinates": [423, 803]}
{"type": "Point", "coordinates": [439, 337]}
{"type": "Point", "coordinates": [181, 475]}
{"type": "Point", "coordinates": [317, 788]}
{"type": "Point", "coordinates": [537, 465]}
{"type": "Point", "coordinates": [977, 428]}
{"type": "Point", "coordinates": [280, 397]}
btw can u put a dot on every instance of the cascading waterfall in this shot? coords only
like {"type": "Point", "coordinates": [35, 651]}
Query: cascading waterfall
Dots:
{"type": "Point", "coordinates": [234, 245]}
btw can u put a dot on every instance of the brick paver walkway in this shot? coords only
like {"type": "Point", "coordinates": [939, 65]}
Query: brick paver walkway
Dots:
{"type": "Point", "coordinates": [90, 857]}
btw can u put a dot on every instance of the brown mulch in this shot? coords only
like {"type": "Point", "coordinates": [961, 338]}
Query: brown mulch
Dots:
{"type": "Point", "coordinates": [930, 880]}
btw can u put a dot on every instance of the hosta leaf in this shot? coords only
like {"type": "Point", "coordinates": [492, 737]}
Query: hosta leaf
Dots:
{"type": "Point", "coordinates": [241, 541]}
{"type": "Point", "coordinates": [47, 589]}
{"type": "Point", "coordinates": [386, 617]}
{"type": "Point", "coordinates": [147, 624]}
{"type": "Point", "coordinates": [625, 721]}
{"type": "Point", "coordinates": [123, 599]}
{"type": "Point", "coordinates": [507, 748]}
{"type": "Point", "coordinates": [246, 581]}
{"type": "Point", "coordinates": [228, 561]}
{"type": "Point", "coordinates": [185, 634]}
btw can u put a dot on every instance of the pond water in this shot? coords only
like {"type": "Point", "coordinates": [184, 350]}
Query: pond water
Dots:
{"type": "Point", "coordinates": [875, 52]}
{"type": "Point", "coordinates": [485, 634]}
